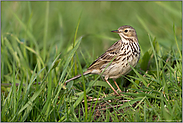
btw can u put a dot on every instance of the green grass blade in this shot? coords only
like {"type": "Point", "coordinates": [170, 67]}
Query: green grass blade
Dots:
{"type": "Point", "coordinates": [70, 55]}
{"type": "Point", "coordinates": [84, 89]}
{"type": "Point", "coordinates": [155, 56]}
{"type": "Point", "coordinates": [176, 42]}
{"type": "Point", "coordinates": [144, 25]}
{"type": "Point", "coordinates": [45, 30]}
{"type": "Point", "coordinates": [27, 31]}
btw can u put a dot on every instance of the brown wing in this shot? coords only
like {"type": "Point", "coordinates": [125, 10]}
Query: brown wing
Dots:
{"type": "Point", "coordinates": [107, 56]}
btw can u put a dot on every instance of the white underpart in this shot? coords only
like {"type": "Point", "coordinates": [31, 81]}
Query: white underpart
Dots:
{"type": "Point", "coordinates": [117, 69]}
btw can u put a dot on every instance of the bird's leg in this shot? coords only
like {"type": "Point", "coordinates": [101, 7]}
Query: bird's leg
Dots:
{"type": "Point", "coordinates": [106, 79]}
{"type": "Point", "coordinates": [117, 85]}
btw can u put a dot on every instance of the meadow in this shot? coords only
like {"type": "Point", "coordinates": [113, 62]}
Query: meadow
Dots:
{"type": "Point", "coordinates": [45, 43]}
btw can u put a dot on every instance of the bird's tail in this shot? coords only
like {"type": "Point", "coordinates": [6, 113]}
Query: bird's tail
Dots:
{"type": "Point", "coordinates": [85, 73]}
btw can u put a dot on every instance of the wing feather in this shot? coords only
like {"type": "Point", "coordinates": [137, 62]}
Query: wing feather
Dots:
{"type": "Point", "coordinates": [106, 57]}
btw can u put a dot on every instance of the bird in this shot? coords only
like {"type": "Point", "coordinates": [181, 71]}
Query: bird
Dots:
{"type": "Point", "coordinates": [117, 59]}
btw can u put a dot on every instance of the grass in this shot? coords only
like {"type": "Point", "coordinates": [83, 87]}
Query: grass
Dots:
{"type": "Point", "coordinates": [45, 43]}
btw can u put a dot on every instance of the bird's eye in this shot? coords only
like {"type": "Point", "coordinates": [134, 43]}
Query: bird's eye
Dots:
{"type": "Point", "coordinates": [126, 30]}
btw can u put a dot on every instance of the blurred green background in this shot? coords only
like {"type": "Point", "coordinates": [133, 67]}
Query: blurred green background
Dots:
{"type": "Point", "coordinates": [33, 34]}
{"type": "Point", "coordinates": [98, 19]}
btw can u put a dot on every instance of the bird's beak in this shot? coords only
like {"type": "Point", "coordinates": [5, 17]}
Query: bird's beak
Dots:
{"type": "Point", "coordinates": [115, 31]}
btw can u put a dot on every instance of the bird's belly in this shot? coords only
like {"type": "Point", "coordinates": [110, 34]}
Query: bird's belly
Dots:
{"type": "Point", "coordinates": [115, 70]}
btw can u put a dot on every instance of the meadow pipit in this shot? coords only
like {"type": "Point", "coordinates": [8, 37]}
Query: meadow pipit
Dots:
{"type": "Point", "coordinates": [122, 53]}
